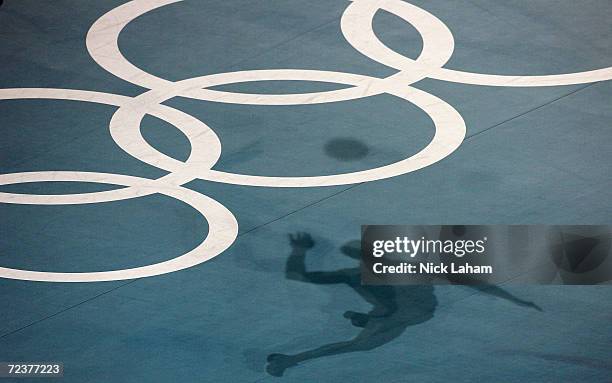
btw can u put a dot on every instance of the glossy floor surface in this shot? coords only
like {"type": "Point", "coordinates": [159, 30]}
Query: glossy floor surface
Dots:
{"type": "Point", "coordinates": [165, 165]}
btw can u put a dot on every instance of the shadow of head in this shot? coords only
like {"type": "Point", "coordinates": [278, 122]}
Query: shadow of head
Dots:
{"type": "Point", "coordinates": [346, 149]}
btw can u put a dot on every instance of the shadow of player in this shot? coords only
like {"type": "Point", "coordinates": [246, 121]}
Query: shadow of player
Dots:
{"type": "Point", "coordinates": [394, 307]}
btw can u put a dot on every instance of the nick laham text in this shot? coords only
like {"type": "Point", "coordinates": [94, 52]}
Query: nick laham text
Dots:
{"type": "Point", "coordinates": [431, 268]}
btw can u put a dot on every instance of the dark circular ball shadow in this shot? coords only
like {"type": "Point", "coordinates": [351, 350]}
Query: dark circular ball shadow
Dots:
{"type": "Point", "coordinates": [346, 149]}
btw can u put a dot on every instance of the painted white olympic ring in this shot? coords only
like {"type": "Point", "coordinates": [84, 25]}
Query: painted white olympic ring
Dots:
{"type": "Point", "coordinates": [102, 44]}
{"type": "Point", "coordinates": [361, 36]}
{"type": "Point", "coordinates": [205, 145]}
{"type": "Point", "coordinates": [450, 131]}
{"type": "Point", "coordinates": [222, 225]}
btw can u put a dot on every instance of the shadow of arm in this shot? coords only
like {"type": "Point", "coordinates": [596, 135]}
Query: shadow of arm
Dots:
{"type": "Point", "coordinates": [296, 270]}
{"type": "Point", "coordinates": [499, 292]}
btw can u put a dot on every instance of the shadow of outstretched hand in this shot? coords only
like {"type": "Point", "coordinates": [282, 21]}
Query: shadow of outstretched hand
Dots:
{"type": "Point", "coordinates": [301, 241]}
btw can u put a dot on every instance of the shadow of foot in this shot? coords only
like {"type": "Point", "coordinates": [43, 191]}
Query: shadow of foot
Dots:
{"type": "Point", "coordinates": [357, 319]}
{"type": "Point", "coordinates": [278, 363]}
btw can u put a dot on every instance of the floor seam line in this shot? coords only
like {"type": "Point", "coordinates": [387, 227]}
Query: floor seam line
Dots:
{"type": "Point", "coordinates": [67, 309]}
{"type": "Point", "coordinates": [530, 110]}
{"type": "Point", "coordinates": [272, 48]}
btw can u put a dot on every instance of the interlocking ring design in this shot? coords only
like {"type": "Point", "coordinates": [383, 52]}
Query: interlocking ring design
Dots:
{"type": "Point", "coordinates": [356, 25]}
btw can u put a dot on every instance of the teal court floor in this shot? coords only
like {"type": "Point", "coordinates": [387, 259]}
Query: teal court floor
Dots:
{"type": "Point", "coordinates": [162, 161]}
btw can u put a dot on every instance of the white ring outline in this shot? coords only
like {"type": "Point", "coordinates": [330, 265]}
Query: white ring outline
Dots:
{"type": "Point", "coordinates": [102, 44]}
{"type": "Point", "coordinates": [222, 228]}
{"type": "Point", "coordinates": [205, 144]}
{"type": "Point", "coordinates": [363, 38]}
{"type": "Point", "coordinates": [449, 125]}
